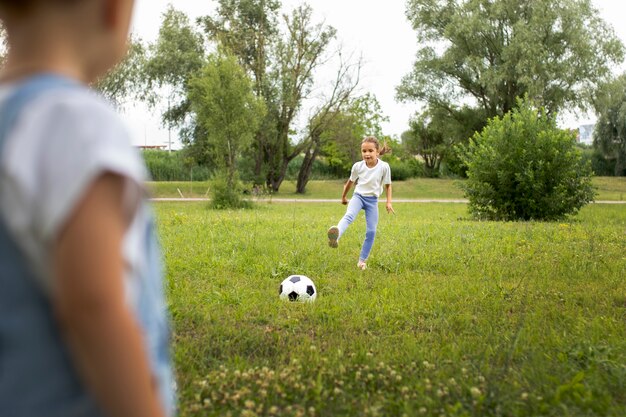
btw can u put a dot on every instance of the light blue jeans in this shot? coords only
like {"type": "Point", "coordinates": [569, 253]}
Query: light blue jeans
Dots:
{"type": "Point", "coordinates": [370, 205]}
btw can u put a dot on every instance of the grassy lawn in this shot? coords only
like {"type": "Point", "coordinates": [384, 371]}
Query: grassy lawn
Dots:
{"type": "Point", "coordinates": [608, 188]}
{"type": "Point", "coordinates": [453, 317]}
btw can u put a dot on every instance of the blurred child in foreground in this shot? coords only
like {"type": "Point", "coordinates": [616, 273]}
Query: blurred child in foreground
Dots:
{"type": "Point", "coordinates": [83, 324]}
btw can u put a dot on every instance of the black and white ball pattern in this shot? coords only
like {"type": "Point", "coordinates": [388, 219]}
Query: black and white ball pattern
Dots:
{"type": "Point", "coordinates": [297, 288]}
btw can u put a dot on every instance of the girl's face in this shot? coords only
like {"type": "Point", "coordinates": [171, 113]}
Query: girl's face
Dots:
{"type": "Point", "coordinates": [369, 152]}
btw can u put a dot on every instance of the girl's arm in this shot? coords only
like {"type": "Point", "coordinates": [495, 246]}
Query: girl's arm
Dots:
{"type": "Point", "coordinates": [103, 336]}
{"type": "Point", "coordinates": [388, 192]}
{"type": "Point", "coordinates": [346, 188]}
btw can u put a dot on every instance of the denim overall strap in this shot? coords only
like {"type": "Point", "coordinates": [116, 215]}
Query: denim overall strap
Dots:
{"type": "Point", "coordinates": [37, 377]}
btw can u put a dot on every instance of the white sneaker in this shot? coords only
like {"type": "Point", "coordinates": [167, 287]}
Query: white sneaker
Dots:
{"type": "Point", "coordinates": [361, 265]}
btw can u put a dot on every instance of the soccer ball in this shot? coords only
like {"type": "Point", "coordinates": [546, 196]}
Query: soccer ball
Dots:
{"type": "Point", "coordinates": [297, 288]}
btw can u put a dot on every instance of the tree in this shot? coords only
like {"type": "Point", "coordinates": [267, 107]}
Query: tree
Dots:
{"type": "Point", "coordinates": [522, 167]}
{"type": "Point", "coordinates": [283, 66]}
{"type": "Point", "coordinates": [226, 109]}
{"type": "Point", "coordinates": [362, 117]}
{"type": "Point", "coordinates": [174, 59]}
{"type": "Point", "coordinates": [489, 53]}
{"type": "Point", "coordinates": [434, 133]}
{"type": "Point", "coordinates": [249, 30]}
{"type": "Point", "coordinates": [430, 138]}
{"type": "Point", "coordinates": [324, 120]}
{"type": "Point", "coordinates": [609, 136]}
{"type": "Point", "coordinates": [125, 79]}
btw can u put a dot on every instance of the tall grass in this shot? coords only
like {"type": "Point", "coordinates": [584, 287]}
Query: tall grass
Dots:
{"type": "Point", "coordinates": [173, 166]}
{"type": "Point", "coordinates": [453, 317]}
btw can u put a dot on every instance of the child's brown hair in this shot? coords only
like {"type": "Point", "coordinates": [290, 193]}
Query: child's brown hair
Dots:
{"type": "Point", "coordinates": [382, 149]}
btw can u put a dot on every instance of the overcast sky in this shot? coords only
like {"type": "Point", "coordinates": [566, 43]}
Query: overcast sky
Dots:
{"type": "Point", "coordinates": [379, 31]}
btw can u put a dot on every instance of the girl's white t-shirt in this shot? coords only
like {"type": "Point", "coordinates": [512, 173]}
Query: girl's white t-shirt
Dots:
{"type": "Point", "coordinates": [60, 143]}
{"type": "Point", "coordinates": [370, 181]}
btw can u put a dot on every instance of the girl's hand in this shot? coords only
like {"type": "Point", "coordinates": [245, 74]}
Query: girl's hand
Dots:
{"type": "Point", "coordinates": [344, 201]}
{"type": "Point", "coordinates": [390, 209]}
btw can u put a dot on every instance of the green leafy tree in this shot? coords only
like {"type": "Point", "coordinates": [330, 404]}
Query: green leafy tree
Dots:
{"type": "Point", "coordinates": [430, 137]}
{"type": "Point", "coordinates": [228, 112]}
{"type": "Point", "coordinates": [362, 117]}
{"type": "Point", "coordinates": [249, 29]}
{"type": "Point", "coordinates": [173, 60]}
{"type": "Point", "coordinates": [522, 167]}
{"type": "Point", "coordinates": [283, 64]}
{"type": "Point", "coordinates": [610, 130]}
{"type": "Point", "coordinates": [434, 133]}
{"type": "Point", "coordinates": [488, 53]}
{"type": "Point", "coordinates": [125, 80]}
{"type": "Point", "coordinates": [326, 121]}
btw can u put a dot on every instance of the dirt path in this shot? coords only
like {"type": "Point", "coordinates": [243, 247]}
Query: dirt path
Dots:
{"type": "Point", "coordinates": [329, 200]}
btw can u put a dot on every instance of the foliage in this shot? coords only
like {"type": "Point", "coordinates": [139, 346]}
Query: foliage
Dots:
{"type": "Point", "coordinates": [226, 193]}
{"type": "Point", "coordinates": [601, 165]}
{"type": "Point", "coordinates": [326, 117]}
{"type": "Point", "coordinates": [321, 170]}
{"type": "Point", "coordinates": [430, 138]}
{"type": "Point", "coordinates": [402, 170]}
{"type": "Point", "coordinates": [299, 53]}
{"type": "Point", "coordinates": [341, 143]}
{"type": "Point", "coordinates": [173, 166]}
{"type": "Point", "coordinates": [522, 167]}
{"type": "Point", "coordinates": [283, 60]}
{"type": "Point", "coordinates": [543, 334]}
{"type": "Point", "coordinates": [248, 30]}
{"type": "Point", "coordinates": [488, 53]}
{"type": "Point", "coordinates": [173, 60]}
{"type": "Point", "coordinates": [609, 136]}
{"type": "Point", "coordinates": [124, 81]}
{"type": "Point", "coordinates": [434, 133]}
{"type": "Point", "coordinates": [226, 110]}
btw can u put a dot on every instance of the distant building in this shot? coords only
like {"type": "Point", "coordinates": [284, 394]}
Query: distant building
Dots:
{"type": "Point", "coordinates": [585, 134]}
{"type": "Point", "coordinates": [151, 146]}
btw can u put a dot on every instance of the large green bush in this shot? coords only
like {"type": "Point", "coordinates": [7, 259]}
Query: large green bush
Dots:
{"type": "Point", "coordinates": [522, 167]}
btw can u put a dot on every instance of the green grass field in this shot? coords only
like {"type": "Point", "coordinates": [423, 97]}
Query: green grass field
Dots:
{"type": "Point", "coordinates": [453, 317]}
{"type": "Point", "coordinates": [608, 188]}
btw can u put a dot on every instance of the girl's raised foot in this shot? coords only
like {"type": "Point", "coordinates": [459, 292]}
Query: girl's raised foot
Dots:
{"type": "Point", "coordinates": [333, 236]}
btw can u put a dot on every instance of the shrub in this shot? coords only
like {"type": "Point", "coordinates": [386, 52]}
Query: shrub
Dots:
{"type": "Point", "coordinates": [522, 167]}
{"type": "Point", "coordinates": [600, 165]}
{"type": "Point", "coordinates": [224, 196]}
{"type": "Point", "coordinates": [402, 170]}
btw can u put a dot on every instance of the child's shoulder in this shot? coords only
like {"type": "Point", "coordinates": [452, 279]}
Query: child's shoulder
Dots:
{"type": "Point", "coordinates": [68, 134]}
{"type": "Point", "coordinates": [77, 102]}
{"type": "Point", "coordinates": [68, 113]}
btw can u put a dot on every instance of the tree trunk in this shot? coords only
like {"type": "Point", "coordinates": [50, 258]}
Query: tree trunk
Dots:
{"type": "Point", "coordinates": [620, 165]}
{"type": "Point", "coordinates": [276, 180]}
{"type": "Point", "coordinates": [305, 170]}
